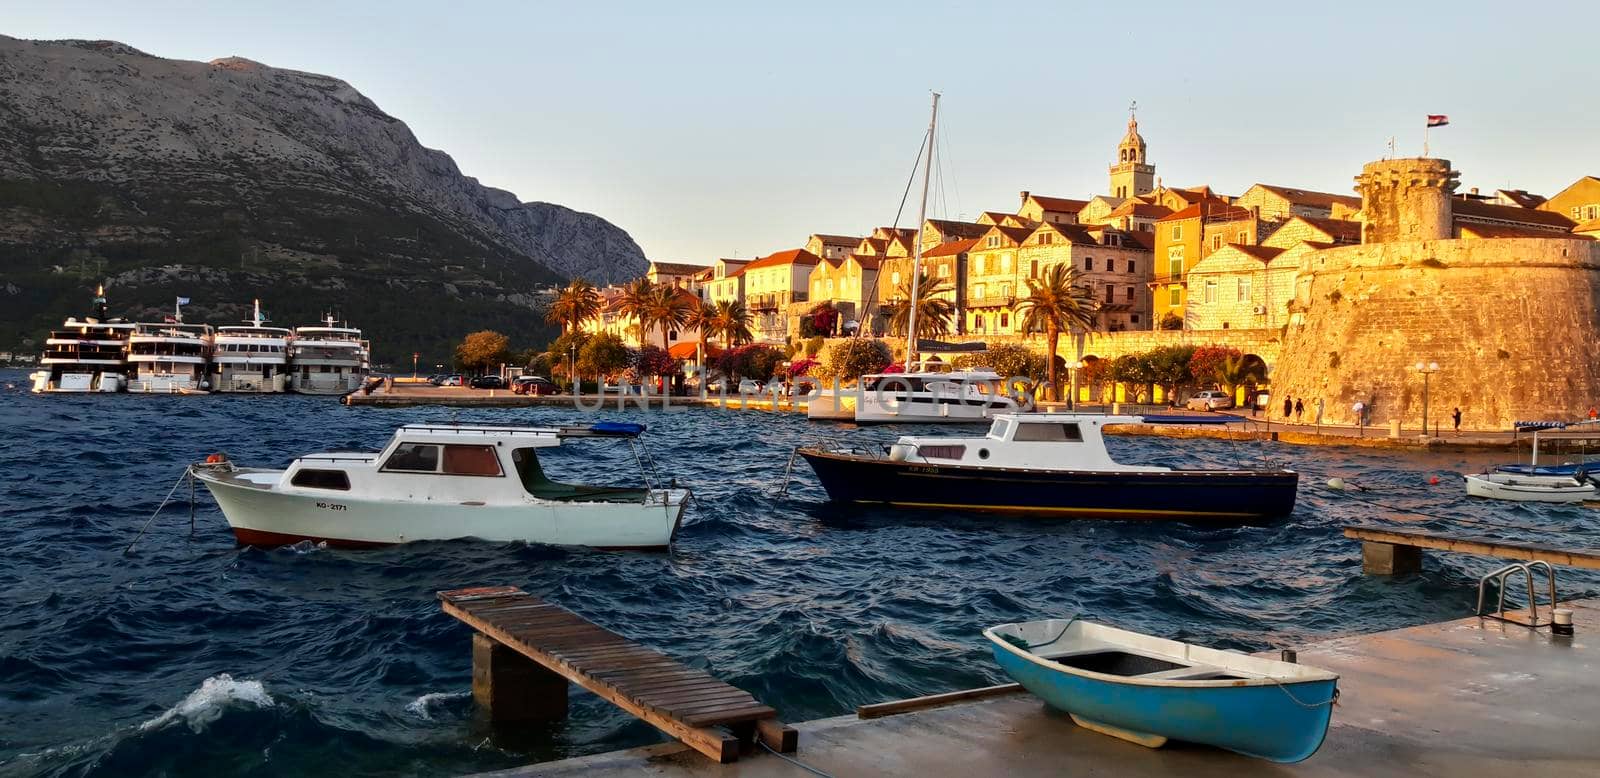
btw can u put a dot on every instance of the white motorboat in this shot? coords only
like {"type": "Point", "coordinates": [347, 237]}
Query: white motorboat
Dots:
{"type": "Point", "coordinates": [252, 358]}
{"type": "Point", "coordinates": [328, 359]}
{"type": "Point", "coordinates": [832, 404]}
{"type": "Point", "coordinates": [1530, 488]}
{"type": "Point", "coordinates": [169, 358]}
{"type": "Point", "coordinates": [85, 355]}
{"type": "Point", "coordinates": [923, 397]}
{"type": "Point", "coordinates": [442, 482]}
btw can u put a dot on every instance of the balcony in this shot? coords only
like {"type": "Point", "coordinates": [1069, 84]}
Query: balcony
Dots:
{"type": "Point", "coordinates": [994, 301]}
{"type": "Point", "coordinates": [773, 301]}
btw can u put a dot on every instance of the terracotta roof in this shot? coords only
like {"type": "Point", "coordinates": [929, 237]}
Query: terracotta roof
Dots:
{"type": "Point", "coordinates": [1131, 239]}
{"type": "Point", "coordinates": [891, 232]}
{"type": "Point", "coordinates": [837, 240]}
{"type": "Point", "coordinates": [1016, 234]}
{"type": "Point", "coordinates": [951, 248]}
{"type": "Point", "coordinates": [1143, 239]}
{"type": "Point", "coordinates": [706, 275]}
{"type": "Point", "coordinates": [959, 229]}
{"type": "Point", "coordinates": [1342, 230]}
{"type": "Point", "coordinates": [1058, 203]}
{"type": "Point", "coordinates": [1510, 231]}
{"type": "Point", "coordinates": [1523, 197]}
{"type": "Point", "coordinates": [1210, 208]}
{"type": "Point", "coordinates": [867, 262]}
{"type": "Point", "coordinates": [790, 257]}
{"type": "Point", "coordinates": [996, 216]}
{"type": "Point", "coordinates": [1511, 213]}
{"type": "Point", "coordinates": [1313, 199]}
{"type": "Point", "coordinates": [1136, 208]}
{"type": "Point", "coordinates": [1263, 253]}
{"type": "Point", "coordinates": [1074, 233]}
{"type": "Point", "coordinates": [879, 245]}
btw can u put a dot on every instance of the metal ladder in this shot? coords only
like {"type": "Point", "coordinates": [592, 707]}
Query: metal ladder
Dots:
{"type": "Point", "coordinates": [1526, 569]}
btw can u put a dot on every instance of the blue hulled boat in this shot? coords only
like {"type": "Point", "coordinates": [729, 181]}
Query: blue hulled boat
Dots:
{"type": "Point", "coordinates": [1049, 464]}
{"type": "Point", "coordinates": [1147, 690]}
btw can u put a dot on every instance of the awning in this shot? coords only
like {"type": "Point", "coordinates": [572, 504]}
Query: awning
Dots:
{"type": "Point", "coordinates": [688, 350]}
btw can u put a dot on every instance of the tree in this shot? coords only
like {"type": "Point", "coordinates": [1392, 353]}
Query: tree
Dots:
{"type": "Point", "coordinates": [1171, 321]}
{"type": "Point", "coordinates": [851, 358]}
{"type": "Point", "coordinates": [482, 350]}
{"type": "Point", "coordinates": [1239, 370]}
{"type": "Point", "coordinates": [1170, 366]}
{"type": "Point", "coordinates": [752, 361]}
{"type": "Point", "coordinates": [1010, 360]}
{"type": "Point", "coordinates": [1056, 303]}
{"type": "Point", "coordinates": [731, 324]}
{"type": "Point", "coordinates": [669, 308]}
{"type": "Point", "coordinates": [604, 354]}
{"type": "Point", "coordinates": [821, 320]}
{"type": "Point", "coordinates": [562, 349]}
{"type": "Point", "coordinates": [574, 305]}
{"type": "Point", "coordinates": [654, 360]}
{"type": "Point", "coordinates": [934, 311]}
{"type": "Point", "coordinates": [636, 301]}
{"type": "Point", "coordinates": [1207, 359]}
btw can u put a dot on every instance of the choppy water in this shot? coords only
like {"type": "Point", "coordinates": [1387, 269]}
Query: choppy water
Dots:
{"type": "Point", "coordinates": [191, 657]}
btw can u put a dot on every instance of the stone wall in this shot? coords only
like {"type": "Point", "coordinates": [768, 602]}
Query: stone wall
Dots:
{"type": "Point", "coordinates": [1514, 325]}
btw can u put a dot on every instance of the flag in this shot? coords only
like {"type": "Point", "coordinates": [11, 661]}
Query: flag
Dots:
{"type": "Point", "coordinates": [183, 301]}
{"type": "Point", "coordinates": [1437, 120]}
{"type": "Point", "coordinates": [170, 319]}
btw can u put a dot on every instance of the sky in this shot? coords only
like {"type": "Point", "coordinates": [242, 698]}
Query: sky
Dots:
{"type": "Point", "coordinates": [738, 129]}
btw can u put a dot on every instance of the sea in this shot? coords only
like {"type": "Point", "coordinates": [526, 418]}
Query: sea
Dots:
{"type": "Point", "coordinates": [189, 656]}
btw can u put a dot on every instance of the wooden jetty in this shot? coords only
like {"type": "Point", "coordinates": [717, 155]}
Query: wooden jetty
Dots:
{"type": "Point", "coordinates": [1393, 551]}
{"type": "Point", "coordinates": [526, 651]}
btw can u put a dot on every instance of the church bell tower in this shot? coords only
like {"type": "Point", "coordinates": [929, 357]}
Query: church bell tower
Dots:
{"type": "Point", "coordinates": [1131, 174]}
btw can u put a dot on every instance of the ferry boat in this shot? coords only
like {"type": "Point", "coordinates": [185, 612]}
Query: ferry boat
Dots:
{"type": "Point", "coordinates": [328, 359]}
{"type": "Point", "coordinates": [962, 396]}
{"type": "Point", "coordinates": [442, 482]}
{"type": "Point", "coordinates": [85, 355]}
{"type": "Point", "coordinates": [170, 357]}
{"type": "Point", "coordinates": [251, 358]}
{"type": "Point", "coordinates": [1050, 464]}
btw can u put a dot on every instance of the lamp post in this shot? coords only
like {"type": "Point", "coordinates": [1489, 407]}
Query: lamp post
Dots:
{"type": "Point", "coordinates": [572, 368]}
{"type": "Point", "coordinates": [1426, 370]}
{"type": "Point", "coordinates": [415, 355]}
{"type": "Point", "coordinates": [1072, 370]}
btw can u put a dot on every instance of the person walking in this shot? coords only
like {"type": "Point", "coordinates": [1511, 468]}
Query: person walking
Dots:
{"type": "Point", "coordinates": [1594, 413]}
{"type": "Point", "coordinates": [1455, 416]}
{"type": "Point", "coordinates": [1288, 406]}
{"type": "Point", "coordinates": [1299, 409]}
{"type": "Point", "coordinates": [1319, 411]}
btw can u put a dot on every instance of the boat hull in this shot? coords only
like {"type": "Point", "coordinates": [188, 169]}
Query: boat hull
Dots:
{"type": "Point", "coordinates": [1535, 488]}
{"type": "Point", "coordinates": [1278, 721]}
{"type": "Point", "coordinates": [266, 516]}
{"type": "Point", "coordinates": [1188, 495]}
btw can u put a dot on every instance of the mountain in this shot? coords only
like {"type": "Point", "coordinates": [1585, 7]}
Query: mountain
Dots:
{"type": "Point", "coordinates": [231, 180]}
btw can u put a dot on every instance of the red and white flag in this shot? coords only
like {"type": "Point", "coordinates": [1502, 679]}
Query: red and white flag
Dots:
{"type": "Point", "coordinates": [1437, 120]}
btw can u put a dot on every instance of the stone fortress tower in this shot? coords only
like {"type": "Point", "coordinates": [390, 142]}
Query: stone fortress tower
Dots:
{"type": "Point", "coordinates": [1513, 323]}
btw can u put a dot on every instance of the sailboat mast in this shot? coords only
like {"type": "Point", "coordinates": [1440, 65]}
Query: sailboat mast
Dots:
{"type": "Point", "coordinates": [916, 255]}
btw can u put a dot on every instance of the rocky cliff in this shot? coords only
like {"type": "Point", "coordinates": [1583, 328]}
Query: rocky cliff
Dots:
{"type": "Point", "coordinates": [229, 180]}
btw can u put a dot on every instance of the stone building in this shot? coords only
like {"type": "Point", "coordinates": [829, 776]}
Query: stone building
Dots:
{"type": "Point", "coordinates": [1132, 174]}
{"type": "Point", "coordinates": [1507, 221]}
{"type": "Point", "coordinates": [1183, 239]}
{"type": "Point", "coordinates": [679, 274]}
{"type": "Point", "coordinates": [1113, 265]}
{"type": "Point", "coordinates": [1272, 203]}
{"type": "Point", "coordinates": [1513, 323]}
{"type": "Point", "coordinates": [776, 288]}
{"type": "Point", "coordinates": [1245, 287]}
{"type": "Point", "coordinates": [1300, 229]}
{"type": "Point", "coordinates": [992, 280]}
{"type": "Point", "coordinates": [727, 281]}
{"type": "Point", "coordinates": [848, 283]}
{"type": "Point", "coordinates": [944, 265]}
{"type": "Point", "coordinates": [1056, 210]}
{"type": "Point", "coordinates": [938, 231]}
{"type": "Point", "coordinates": [1579, 202]}
{"type": "Point", "coordinates": [832, 246]}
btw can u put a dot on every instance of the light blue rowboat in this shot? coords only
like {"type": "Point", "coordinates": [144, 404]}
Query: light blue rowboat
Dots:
{"type": "Point", "coordinates": [1147, 689]}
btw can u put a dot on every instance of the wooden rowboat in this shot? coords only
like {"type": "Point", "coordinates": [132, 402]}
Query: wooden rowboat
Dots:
{"type": "Point", "coordinates": [1147, 690]}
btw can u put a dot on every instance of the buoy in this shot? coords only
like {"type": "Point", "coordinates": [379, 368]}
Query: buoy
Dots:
{"type": "Point", "coordinates": [1336, 484]}
{"type": "Point", "coordinates": [1433, 481]}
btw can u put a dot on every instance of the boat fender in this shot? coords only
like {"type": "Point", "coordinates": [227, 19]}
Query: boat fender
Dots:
{"type": "Point", "coordinates": [899, 452]}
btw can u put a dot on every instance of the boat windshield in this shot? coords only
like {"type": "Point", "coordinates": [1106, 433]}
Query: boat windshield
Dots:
{"type": "Point", "coordinates": [534, 480]}
{"type": "Point", "coordinates": [998, 430]}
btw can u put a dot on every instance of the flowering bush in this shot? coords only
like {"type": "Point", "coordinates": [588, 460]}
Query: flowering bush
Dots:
{"type": "Point", "coordinates": [851, 358]}
{"type": "Point", "coordinates": [752, 361]}
{"type": "Point", "coordinates": [654, 360]}
{"type": "Point", "coordinates": [819, 321]}
{"type": "Point", "coordinates": [802, 366]}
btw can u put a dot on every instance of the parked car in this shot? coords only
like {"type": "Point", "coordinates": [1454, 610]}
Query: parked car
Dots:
{"type": "Point", "coordinates": [534, 385]}
{"type": "Point", "coordinates": [488, 382]}
{"type": "Point", "coordinates": [1210, 400]}
{"type": "Point", "coordinates": [437, 378]}
{"type": "Point", "coordinates": [453, 379]}
{"type": "Point", "coordinates": [749, 386]}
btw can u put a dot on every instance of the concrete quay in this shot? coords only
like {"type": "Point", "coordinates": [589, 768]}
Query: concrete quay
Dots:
{"type": "Point", "coordinates": [1464, 698]}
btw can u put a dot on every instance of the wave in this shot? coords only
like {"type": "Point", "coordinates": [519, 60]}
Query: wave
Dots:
{"type": "Point", "coordinates": [424, 706]}
{"type": "Point", "coordinates": [205, 705]}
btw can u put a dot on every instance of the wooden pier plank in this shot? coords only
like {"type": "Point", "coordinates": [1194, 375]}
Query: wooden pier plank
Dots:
{"type": "Point", "coordinates": [1509, 549]}
{"type": "Point", "coordinates": [682, 701]}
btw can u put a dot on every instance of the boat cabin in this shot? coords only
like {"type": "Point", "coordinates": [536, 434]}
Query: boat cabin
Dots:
{"type": "Point", "coordinates": [457, 463]}
{"type": "Point", "coordinates": [1035, 441]}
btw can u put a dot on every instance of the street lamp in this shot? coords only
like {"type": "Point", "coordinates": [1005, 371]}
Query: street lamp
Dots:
{"type": "Point", "coordinates": [572, 367]}
{"type": "Point", "coordinates": [414, 356]}
{"type": "Point", "coordinates": [1072, 369]}
{"type": "Point", "coordinates": [1426, 370]}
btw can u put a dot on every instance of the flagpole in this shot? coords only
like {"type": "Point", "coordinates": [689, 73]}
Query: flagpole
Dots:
{"type": "Point", "coordinates": [1427, 127]}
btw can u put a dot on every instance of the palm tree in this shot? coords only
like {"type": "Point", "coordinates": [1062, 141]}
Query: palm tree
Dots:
{"type": "Point", "coordinates": [635, 301]}
{"type": "Point", "coordinates": [702, 318]}
{"type": "Point", "coordinates": [1056, 303]}
{"type": "Point", "coordinates": [574, 305]}
{"type": "Point", "coordinates": [1238, 370]}
{"type": "Point", "coordinates": [669, 308]}
{"type": "Point", "coordinates": [731, 323]}
{"type": "Point", "coordinates": [934, 312]}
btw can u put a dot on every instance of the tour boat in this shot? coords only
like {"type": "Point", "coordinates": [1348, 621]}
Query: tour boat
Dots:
{"type": "Point", "coordinates": [85, 355]}
{"type": "Point", "coordinates": [1148, 690]}
{"type": "Point", "coordinates": [328, 359]}
{"type": "Point", "coordinates": [923, 397]}
{"type": "Point", "coordinates": [252, 358]}
{"type": "Point", "coordinates": [1050, 464]}
{"type": "Point", "coordinates": [442, 482]}
{"type": "Point", "coordinates": [170, 357]}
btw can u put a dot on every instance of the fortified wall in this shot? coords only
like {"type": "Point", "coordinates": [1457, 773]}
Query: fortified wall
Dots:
{"type": "Point", "coordinates": [1514, 325]}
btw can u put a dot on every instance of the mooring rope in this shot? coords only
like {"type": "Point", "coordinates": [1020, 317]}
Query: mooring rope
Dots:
{"type": "Point", "coordinates": [164, 501]}
{"type": "Point", "coordinates": [793, 761]}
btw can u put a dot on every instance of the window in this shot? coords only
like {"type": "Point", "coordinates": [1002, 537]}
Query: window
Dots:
{"type": "Point", "coordinates": [1244, 289]}
{"type": "Point", "coordinates": [1211, 291]}
{"type": "Point", "coordinates": [993, 242]}
{"type": "Point", "coordinates": [1005, 320]}
{"type": "Point", "coordinates": [1005, 290]}
{"type": "Point", "coordinates": [1216, 242]}
{"type": "Point", "coordinates": [322, 479]}
{"type": "Point", "coordinates": [1175, 295]}
{"type": "Point", "coordinates": [1175, 266]}
{"type": "Point", "coordinates": [1134, 318]}
{"type": "Point", "coordinates": [1130, 266]}
{"type": "Point", "coordinates": [896, 278]}
{"type": "Point", "coordinates": [1033, 269]}
{"type": "Point", "coordinates": [1111, 293]}
{"type": "Point", "coordinates": [1129, 296]}
{"type": "Point", "coordinates": [977, 292]}
{"type": "Point", "coordinates": [942, 452]}
{"type": "Point", "coordinates": [1037, 431]}
{"type": "Point", "coordinates": [1005, 262]}
{"type": "Point", "coordinates": [1177, 232]}
{"type": "Point", "coordinates": [471, 460]}
{"type": "Point", "coordinates": [1577, 213]}
{"type": "Point", "coordinates": [977, 323]}
{"type": "Point", "coordinates": [1088, 263]}
{"type": "Point", "coordinates": [1244, 238]}
{"type": "Point", "coordinates": [978, 264]}
{"type": "Point", "coordinates": [414, 458]}
{"type": "Point", "coordinates": [998, 429]}
{"type": "Point", "coordinates": [672, 334]}
{"type": "Point", "coordinates": [944, 271]}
